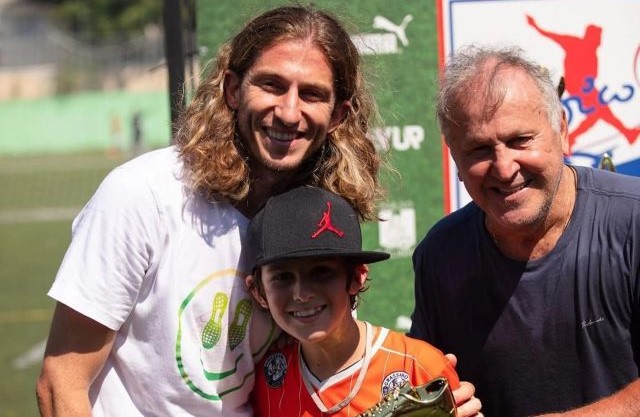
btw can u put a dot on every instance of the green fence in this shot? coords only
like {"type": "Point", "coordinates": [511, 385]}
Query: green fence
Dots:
{"type": "Point", "coordinates": [82, 122]}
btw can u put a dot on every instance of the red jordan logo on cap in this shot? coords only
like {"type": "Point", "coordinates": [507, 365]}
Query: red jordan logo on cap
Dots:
{"type": "Point", "coordinates": [325, 224]}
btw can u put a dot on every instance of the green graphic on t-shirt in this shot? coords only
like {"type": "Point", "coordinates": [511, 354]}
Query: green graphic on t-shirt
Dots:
{"type": "Point", "coordinates": [240, 322]}
{"type": "Point", "coordinates": [199, 334]}
{"type": "Point", "coordinates": [213, 330]}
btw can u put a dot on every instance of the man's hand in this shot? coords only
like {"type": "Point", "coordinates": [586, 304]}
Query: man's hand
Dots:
{"type": "Point", "coordinates": [467, 404]}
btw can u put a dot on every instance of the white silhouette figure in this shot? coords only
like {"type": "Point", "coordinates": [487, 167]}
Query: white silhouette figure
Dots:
{"type": "Point", "coordinates": [381, 22]}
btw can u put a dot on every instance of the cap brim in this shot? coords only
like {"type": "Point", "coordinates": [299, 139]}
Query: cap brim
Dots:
{"type": "Point", "coordinates": [364, 257]}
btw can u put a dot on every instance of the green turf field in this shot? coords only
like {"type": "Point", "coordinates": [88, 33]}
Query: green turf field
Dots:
{"type": "Point", "coordinates": [39, 197]}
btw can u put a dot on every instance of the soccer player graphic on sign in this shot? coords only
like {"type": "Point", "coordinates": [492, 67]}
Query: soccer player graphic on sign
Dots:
{"type": "Point", "coordinates": [580, 73]}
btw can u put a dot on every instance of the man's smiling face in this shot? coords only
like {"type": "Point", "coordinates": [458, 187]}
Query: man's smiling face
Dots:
{"type": "Point", "coordinates": [511, 163]}
{"type": "Point", "coordinates": [285, 106]}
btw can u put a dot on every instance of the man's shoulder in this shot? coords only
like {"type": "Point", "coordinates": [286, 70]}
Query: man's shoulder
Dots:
{"type": "Point", "coordinates": [153, 162]}
{"type": "Point", "coordinates": [141, 183]}
{"type": "Point", "coordinates": [608, 183]}
{"type": "Point", "coordinates": [459, 217]}
{"type": "Point", "coordinates": [457, 223]}
{"type": "Point", "coordinates": [160, 168]}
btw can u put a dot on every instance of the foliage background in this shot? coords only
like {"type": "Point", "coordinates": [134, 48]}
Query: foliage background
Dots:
{"type": "Point", "coordinates": [105, 20]}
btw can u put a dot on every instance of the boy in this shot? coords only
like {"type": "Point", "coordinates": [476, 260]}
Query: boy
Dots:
{"type": "Point", "coordinates": [309, 270]}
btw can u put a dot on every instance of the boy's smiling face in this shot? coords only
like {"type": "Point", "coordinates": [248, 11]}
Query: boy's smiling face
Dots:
{"type": "Point", "coordinates": [310, 299]}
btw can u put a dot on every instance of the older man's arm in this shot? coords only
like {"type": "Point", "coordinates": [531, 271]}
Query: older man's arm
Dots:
{"type": "Point", "coordinates": [624, 403]}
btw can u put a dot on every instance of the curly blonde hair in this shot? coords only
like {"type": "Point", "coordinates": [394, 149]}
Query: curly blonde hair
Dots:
{"type": "Point", "coordinates": [216, 163]}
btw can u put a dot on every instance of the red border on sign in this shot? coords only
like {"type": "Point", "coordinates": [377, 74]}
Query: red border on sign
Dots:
{"type": "Point", "coordinates": [443, 146]}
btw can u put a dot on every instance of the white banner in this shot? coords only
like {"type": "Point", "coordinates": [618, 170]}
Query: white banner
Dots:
{"type": "Point", "coordinates": [593, 44]}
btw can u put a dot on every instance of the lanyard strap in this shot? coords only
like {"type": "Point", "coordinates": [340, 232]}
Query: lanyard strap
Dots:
{"type": "Point", "coordinates": [368, 347]}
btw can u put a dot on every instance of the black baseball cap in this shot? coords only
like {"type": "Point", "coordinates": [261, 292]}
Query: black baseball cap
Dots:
{"type": "Point", "coordinates": [307, 222]}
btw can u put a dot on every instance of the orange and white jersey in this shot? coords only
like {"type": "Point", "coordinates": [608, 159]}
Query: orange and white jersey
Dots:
{"type": "Point", "coordinates": [284, 386]}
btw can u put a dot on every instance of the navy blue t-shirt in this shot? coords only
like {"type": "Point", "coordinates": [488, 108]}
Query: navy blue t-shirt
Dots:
{"type": "Point", "coordinates": [545, 335]}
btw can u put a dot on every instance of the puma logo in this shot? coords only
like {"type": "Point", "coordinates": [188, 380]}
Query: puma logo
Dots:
{"type": "Point", "coordinates": [381, 22]}
{"type": "Point", "coordinates": [325, 224]}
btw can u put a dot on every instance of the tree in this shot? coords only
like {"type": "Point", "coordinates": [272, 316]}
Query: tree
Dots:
{"type": "Point", "coordinates": [106, 20]}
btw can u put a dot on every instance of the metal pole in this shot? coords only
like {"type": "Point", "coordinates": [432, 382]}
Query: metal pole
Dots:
{"type": "Point", "coordinates": [175, 58]}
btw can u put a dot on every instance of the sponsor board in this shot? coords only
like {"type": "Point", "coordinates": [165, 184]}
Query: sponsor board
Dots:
{"type": "Point", "coordinates": [594, 45]}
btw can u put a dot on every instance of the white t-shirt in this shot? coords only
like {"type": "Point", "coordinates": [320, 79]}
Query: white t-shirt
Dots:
{"type": "Point", "coordinates": [165, 269]}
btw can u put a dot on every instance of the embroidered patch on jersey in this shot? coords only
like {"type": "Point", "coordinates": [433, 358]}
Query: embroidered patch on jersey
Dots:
{"type": "Point", "coordinates": [393, 381]}
{"type": "Point", "coordinates": [275, 368]}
